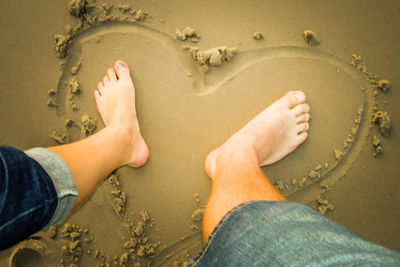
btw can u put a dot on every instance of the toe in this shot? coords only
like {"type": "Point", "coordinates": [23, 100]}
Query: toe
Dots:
{"type": "Point", "coordinates": [100, 87]}
{"type": "Point", "coordinates": [295, 98]}
{"type": "Point", "coordinates": [97, 96]}
{"type": "Point", "coordinates": [301, 109]}
{"type": "Point", "coordinates": [111, 74]}
{"type": "Point", "coordinates": [302, 127]}
{"type": "Point", "coordinates": [122, 70]}
{"type": "Point", "coordinates": [303, 118]}
{"type": "Point", "coordinates": [106, 80]}
{"type": "Point", "coordinates": [301, 137]}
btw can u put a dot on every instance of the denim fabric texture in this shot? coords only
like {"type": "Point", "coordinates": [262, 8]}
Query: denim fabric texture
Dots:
{"type": "Point", "coordinates": [29, 197]}
{"type": "Point", "coordinates": [62, 181]}
{"type": "Point", "coordinates": [264, 233]}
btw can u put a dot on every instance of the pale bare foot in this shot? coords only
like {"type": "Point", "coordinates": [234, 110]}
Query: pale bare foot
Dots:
{"type": "Point", "coordinates": [115, 98]}
{"type": "Point", "coordinates": [272, 134]}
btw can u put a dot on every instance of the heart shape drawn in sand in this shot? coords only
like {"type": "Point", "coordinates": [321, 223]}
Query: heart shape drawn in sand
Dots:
{"type": "Point", "coordinates": [205, 85]}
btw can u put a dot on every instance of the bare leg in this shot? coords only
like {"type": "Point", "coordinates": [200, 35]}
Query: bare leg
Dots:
{"type": "Point", "coordinates": [119, 143]}
{"type": "Point", "coordinates": [234, 167]}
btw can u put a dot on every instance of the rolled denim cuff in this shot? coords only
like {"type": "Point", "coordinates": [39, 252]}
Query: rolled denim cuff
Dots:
{"type": "Point", "coordinates": [62, 179]}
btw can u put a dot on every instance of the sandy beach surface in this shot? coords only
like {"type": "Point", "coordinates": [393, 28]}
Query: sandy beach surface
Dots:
{"type": "Point", "coordinates": [201, 70]}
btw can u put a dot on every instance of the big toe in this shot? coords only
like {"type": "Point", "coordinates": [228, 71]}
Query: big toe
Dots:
{"type": "Point", "coordinates": [295, 98]}
{"type": "Point", "coordinates": [122, 70]}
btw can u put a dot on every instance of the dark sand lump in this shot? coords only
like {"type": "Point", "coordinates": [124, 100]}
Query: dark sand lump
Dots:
{"type": "Point", "coordinates": [88, 125]}
{"type": "Point", "coordinates": [338, 154]}
{"type": "Point", "coordinates": [301, 181]}
{"type": "Point", "coordinates": [197, 215]}
{"type": "Point", "coordinates": [124, 8]}
{"type": "Point", "coordinates": [69, 122]}
{"type": "Point", "coordinates": [383, 120]}
{"type": "Point", "coordinates": [384, 85]}
{"type": "Point", "coordinates": [358, 62]}
{"type": "Point", "coordinates": [258, 36]}
{"type": "Point", "coordinates": [59, 136]}
{"type": "Point", "coordinates": [74, 106]}
{"type": "Point", "coordinates": [61, 44]}
{"type": "Point", "coordinates": [141, 14]}
{"type": "Point", "coordinates": [214, 56]}
{"type": "Point", "coordinates": [377, 145]}
{"type": "Point", "coordinates": [318, 168]}
{"type": "Point", "coordinates": [314, 174]}
{"type": "Point", "coordinates": [74, 86]}
{"type": "Point", "coordinates": [376, 141]}
{"type": "Point", "coordinates": [51, 103]}
{"type": "Point", "coordinates": [311, 38]}
{"type": "Point", "coordinates": [75, 69]}
{"type": "Point", "coordinates": [279, 185]}
{"type": "Point", "coordinates": [324, 205]}
{"type": "Point", "coordinates": [107, 8]}
{"type": "Point", "coordinates": [52, 92]}
{"type": "Point", "coordinates": [77, 7]}
{"type": "Point", "coordinates": [187, 33]}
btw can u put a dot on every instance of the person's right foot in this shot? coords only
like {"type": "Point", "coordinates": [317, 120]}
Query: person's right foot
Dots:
{"type": "Point", "coordinates": [272, 134]}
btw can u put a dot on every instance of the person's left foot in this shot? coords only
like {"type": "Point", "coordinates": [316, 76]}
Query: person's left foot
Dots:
{"type": "Point", "coordinates": [115, 99]}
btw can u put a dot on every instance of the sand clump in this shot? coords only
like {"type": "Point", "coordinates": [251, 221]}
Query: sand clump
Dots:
{"type": "Point", "coordinates": [258, 36]}
{"type": "Point", "coordinates": [382, 119]}
{"type": "Point", "coordinates": [376, 142]}
{"type": "Point", "coordinates": [69, 122]}
{"type": "Point", "coordinates": [188, 34]}
{"type": "Point", "coordinates": [52, 232]}
{"type": "Point", "coordinates": [314, 174]}
{"type": "Point", "coordinates": [59, 136]}
{"type": "Point", "coordinates": [74, 86]}
{"type": "Point", "coordinates": [383, 85]}
{"type": "Point", "coordinates": [75, 69]}
{"type": "Point", "coordinates": [74, 89]}
{"type": "Point", "coordinates": [338, 154]}
{"type": "Point", "coordinates": [212, 57]}
{"type": "Point", "coordinates": [197, 215]}
{"type": "Point", "coordinates": [324, 205]}
{"type": "Point", "coordinates": [89, 125]}
{"type": "Point", "coordinates": [119, 197]}
{"type": "Point", "coordinates": [124, 8]}
{"type": "Point", "coordinates": [51, 103]}
{"type": "Point", "coordinates": [311, 38]}
{"type": "Point", "coordinates": [52, 92]}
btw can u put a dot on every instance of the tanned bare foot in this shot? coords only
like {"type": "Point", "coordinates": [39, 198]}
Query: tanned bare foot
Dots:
{"type": "Point", "coordinates": [272, 134]}
{"type": "Point", "coordinates": [115, 98]}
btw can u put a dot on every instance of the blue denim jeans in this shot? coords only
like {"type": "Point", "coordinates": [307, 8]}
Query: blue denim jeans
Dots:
{"type": "Point", "coordinates": [36, 190]}
{"type": "Point", "coordinates": [264, 233]}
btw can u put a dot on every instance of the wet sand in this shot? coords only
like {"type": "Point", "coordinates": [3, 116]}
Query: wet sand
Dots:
{"type": "Point", "coordinates": [194, 89]}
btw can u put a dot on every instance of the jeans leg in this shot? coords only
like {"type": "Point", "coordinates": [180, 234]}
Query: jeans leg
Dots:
{"type": "Point", "coordinates": [264, 233]}
{"type": "Point", "coordinates": [28, 198]}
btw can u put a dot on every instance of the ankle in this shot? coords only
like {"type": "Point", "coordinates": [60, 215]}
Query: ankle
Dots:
{"type": "Point", "coordinates": [233, 153]}
{"type": "Point", "coordinates": [122, 137]}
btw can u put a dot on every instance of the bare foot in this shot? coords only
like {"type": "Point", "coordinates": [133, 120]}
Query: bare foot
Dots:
{"type": "Point", "coordinates": [115, 98]}
{"type": "Point", "coordinates": [272, 134]}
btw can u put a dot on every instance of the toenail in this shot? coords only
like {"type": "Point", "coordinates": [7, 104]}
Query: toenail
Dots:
{"type": "Point", "coordinates": [300, 96]}
{"type": "Point", "coordinates": [120, 64]}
